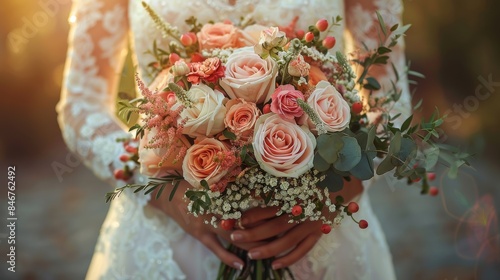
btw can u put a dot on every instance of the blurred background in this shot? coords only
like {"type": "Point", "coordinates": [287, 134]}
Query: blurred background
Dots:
{"type": "Point", "coordinates": [454, 43]}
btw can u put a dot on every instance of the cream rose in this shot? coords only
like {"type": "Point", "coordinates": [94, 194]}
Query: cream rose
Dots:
{"type": "Point", "coordinates": [330, 107]}
{"type": "Point", "coordinates": [150, 159]}
{"type": "Point", "coordinates": [206, 116]}
{"type": "Point", "coordinates": [249, 77]}
{"type": "Point", "coordinates": [202, 162]}
{"type": "Point", "coordinates": [219, 35]}
{"type": "Point", "coordinates": [241, 117]}
{"type": "Point", "coordinates": [281, 147]}
{"type": "Point", "coordinates": [270, 38]}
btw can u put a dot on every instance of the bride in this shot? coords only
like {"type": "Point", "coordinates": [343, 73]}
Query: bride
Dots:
{"type": "Point", "coordinates": [157, 239]}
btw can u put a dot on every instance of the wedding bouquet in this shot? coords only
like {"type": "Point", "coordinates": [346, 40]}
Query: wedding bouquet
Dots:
{"type": "Point", "coordinates": [253, 115]}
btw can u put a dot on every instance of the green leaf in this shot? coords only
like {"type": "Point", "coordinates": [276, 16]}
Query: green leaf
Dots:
{"type": "Point", "coordinates": [328, 146]}
{"type": "Point", "coordinates": [204, 184]}
{"type": "Point", "coordinates": [229, 135]}
{"type": "Point", "coordinates": [383, 50]}
{"type": "Point", "coordinates": [349, 155]}
{"type": "Point", "coordinates": [385, 166]}
{"type": "Point", "coordinates": [372, 84]}
{"type": "Point", "coordinates": [382, 23]}
{"type": "Point", "coordinates": [419, 103]}
{"type": "Point", "coordinates": [406, 123]}
{"type": "Point", "coordinates": [395, 145]}
{"type": "Point", "coordinates": [408, 147]}
{"type": "Point", "coordinates": [381, 60]}
{"type": "Point", "coordinates": [320, 164]}
{"type": "Point", "coordinates": [394, 27]}
{"type": "Point", "coordinates": [364, 169]}
{"type": "Point", "coordinates": [431, 157]}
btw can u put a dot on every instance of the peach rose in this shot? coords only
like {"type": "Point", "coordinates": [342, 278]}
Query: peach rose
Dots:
{"type": "Point", "coordinates": [206, 116]}
{"type": "Point", "coordinates": [281, 147]}
{"type": "Point", "coordinates": [149, 159]}
{"type": "Point", "coordinates": [316, 75]}
{"type": "Point", "coordinates": [285, 102]}
{"type": "Point", "coordinates": [241, 117]}
{"type": "Point", "coordinates": [249, 77]}
{"type": "Point", "coordinates": [202, 163]}
{"type": "Point", "coordinates": [330, 107]}
{"type": "Point", "coordinates": [219, 36]}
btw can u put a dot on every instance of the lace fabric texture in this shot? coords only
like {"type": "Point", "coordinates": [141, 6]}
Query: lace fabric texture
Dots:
{"type": "Point", "coordinates": [139, 242]}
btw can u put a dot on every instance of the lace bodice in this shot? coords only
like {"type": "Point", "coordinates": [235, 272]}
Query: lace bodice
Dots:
{"type": "Point", "coordinates": [97, 47]}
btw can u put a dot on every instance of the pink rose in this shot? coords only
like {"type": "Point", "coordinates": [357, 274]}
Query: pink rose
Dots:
{"type": "Point", "coordinates": [219, 36]}
{"type": "Point", "coordinates": [206, 116]}
{"type": "Point", "coordinates": [149, 159]}
{"type": "Point", "coordinates": [210, 70]}
{"type": "Point", "coordinates": [249, 77]}
{"type": "Point", "coordinates": [241, 117]}
{"type": "Point", "coordinates": [330, 107]}
{"type": "Point", "coordinates": [202, 162]}
{"type": "Point", "coordinates": [284, 102]}
{"type": "Point", "coordinates": [281, 147]}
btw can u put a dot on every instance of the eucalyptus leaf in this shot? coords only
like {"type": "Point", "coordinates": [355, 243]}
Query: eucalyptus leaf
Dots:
{"type": "Point", "coordinates": [349, 155]}
{"type": "Point", "coordinates": [385, 166]}
{"type": "Point", "coordinates": [364, 169]}
{"type": "Point", "coordinates": [320, 164]}
{"type": "Point", "coordinates": [395, 145]}
{"type": "Point", "coordinates": [431, 157]}
{"type": "Point", "coordinates": [329, 145]}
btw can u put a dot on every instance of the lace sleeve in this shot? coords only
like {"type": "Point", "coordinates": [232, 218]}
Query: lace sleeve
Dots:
{"type": "Point", "coordinates": [363, 26]}
{"type": "Point", "coordinates": [97, 46]}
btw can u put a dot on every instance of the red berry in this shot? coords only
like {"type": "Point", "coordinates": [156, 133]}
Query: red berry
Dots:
{"type": "Point", "coordinates": [296, 210]}
{"type": "Point", "coordinates": [326, 228]}
{"type": "Point", "coordinates": [357, 108]}
{"type": "Point", "coordinates": [186, 40]}
{"type": "Point", "coordinates": [300, 33]}
{"type": "Point", "coordinates": [193, 36]}
{"type": "Point", "coordinates": [417, 180]}
{"type": "Point", "coordinates": [227, 224]}
{"type": "Point", "coordinates": [130, 149]}
{"type": "Point", "coordinates": [266, 109]}
{"type": "Point", "coordinates": [124, 157]}
{"type": "Point", "coordinates": [353, 207]}
{"type": "Point", "coordinates": [322, 25]}
{"type": "Point", "coordinates": [433, 191]}
{"type": "Point", "coordinates": [431, 176]}
{"type": "Point", "coordinates": [329, 42]}
{"type": "Point", "coordinates": [173, 58]}
{"type": "Point", "coordinates": [309, 37]}
{"type": "Point", "coordinates": [363, 224]}
{"type": "Point", "coordinates": [119, 174]}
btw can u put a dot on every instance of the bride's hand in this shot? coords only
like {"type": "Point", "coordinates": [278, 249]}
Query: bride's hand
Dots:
{"type": "Point", "coordinates": [290, 241]}
{"type": "Point", "coordinates": [196, 226]}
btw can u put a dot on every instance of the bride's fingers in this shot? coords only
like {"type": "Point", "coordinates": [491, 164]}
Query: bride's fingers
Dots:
{"type": "Point", "coordinates": [267, 229]}
{"type": "Point", "coordinates": [256, 215]}
{"type": "Point", "coordinates": [299, 252]}
{"type": "Point", "coordinates": [213, 243]}
{"type": "Point", "coordinates": [300, 238]}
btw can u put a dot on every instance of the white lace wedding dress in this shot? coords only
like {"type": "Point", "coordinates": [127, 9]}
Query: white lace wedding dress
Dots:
{"type": "Point", "coordinates": [139, 242]}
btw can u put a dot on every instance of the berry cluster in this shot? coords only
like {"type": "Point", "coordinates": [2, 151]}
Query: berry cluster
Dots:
{"type": "Point", "coordinates": [130, 158]}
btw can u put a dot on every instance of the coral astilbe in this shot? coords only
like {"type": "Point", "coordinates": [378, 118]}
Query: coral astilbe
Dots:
{"type": "Point", "coordinates": [159, 115]}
